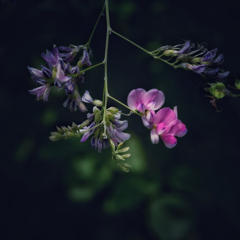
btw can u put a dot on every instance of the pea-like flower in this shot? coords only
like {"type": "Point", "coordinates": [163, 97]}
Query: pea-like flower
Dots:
{"type": "Point", "coordinates": [167, 125]}
{"type": "Point", "coordinates": [146, 103]}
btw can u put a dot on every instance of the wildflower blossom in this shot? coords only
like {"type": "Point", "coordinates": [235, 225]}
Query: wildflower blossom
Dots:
{"type": "Point", "coordinates": [115, 128]}
{"type": "Point", "coordinates": [167, 125]}
{"type": "Point", "coordinates": [146, 103]}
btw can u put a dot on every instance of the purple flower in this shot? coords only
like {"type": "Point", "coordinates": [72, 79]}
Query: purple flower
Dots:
{"type": "Point", "coordinates": [41, 92]}
{"type": "Point", "coordinates": [71, 52]}
{"type": "Point", "coordinates": [60, 77]}
{"type": "Point", "coordinates": [195, 68]}
{"type": "Point", "coordinates": [74, 102]}
{"type": "Point", "coordinates": [52, 58]}
{"type": "Point", "coordinates": [115, 128]}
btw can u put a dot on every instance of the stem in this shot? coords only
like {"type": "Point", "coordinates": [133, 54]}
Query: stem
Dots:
{"type": "Point", "coordinates": [143, 49]}
{"type": "Point", "coordinates": [124, 105]}
{"type": "Point", "coordinates": [90, 38]}
{"type": "Point", "coordinates": [131, 42]}
{"type": "Point", "coordinates": [105, 69]}
{"type": "Point", "coordinates": [92, 67]}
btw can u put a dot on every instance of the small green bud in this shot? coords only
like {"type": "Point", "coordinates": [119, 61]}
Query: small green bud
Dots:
{"type": "Point", "coordinates": [169, 53]}
{"type": "Point", "coordinates": [113, 110]}
{"type": "Point", "coordinates": [123, 150]}
{"type": "Point", "coordinates": [83, 124]}
{"type": "Point", "coordinates": [126, 155]}
{"type": "Point", "coordinates": [64, 129]}
{"type": "Point", "coordinates": [126, 165]}
{"type": "Point", "coordinates": [70, 128]}
{"type": "Point", "coordinates": [98, 117]}
{"type": "Point", "coordinates": [196, 60]}
{"type": "Point", "coordinates": [112, 145]}
{"type": "Point", "coordinates": [120, 145]}
{"type": "Point", "coordinates": [119, 157]}
{"type": "Point", "coordinates": [124, 169]}
{"type": "Point", "coordinates": [74, 126]}
{"type": "Point", "coordinates": [237, 84]}
{"type": "Point", "coordinates": [55, 138]}
{"type": "Point", "coordinates": [97, 103]}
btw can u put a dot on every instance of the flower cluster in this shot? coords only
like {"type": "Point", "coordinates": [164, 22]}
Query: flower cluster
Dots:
{"type": "Point", "coordinates": [114, 126]}
{"type": "Point", "coordinates": [198, 60]}
{"type": "Point", "coordinates": [164, 123]}
{"type": "Point", "coordinates": [59, 73]}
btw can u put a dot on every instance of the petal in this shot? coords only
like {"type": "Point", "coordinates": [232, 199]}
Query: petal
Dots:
{"type": "Point", "coordinates": [169, 141]}
{"type": "Point", "coordinates": [219, 60]}
{"type": "Point", "coordinates": [154, 136]}
{"type": "Point", "coordinates": [153, 99]}
{"type": "Point", "coordinates": [146, 122]}
{"type": "Point", "coordinates": [35, 72]}
{"type": "Point", "coordinates": [185, 48]}
{"type": "Point", "coordinates": [120, 125]}
{"type": "Point", "coordinates": [165, 115]}
{"type": "Point", "coordinates": [135, 98]}
{"type": "Point", "coordinates": [86, 97]}
{"type": "Point", "coordinates": [182, 131]}
{"type": "Point", "coordinates": [121, 136]}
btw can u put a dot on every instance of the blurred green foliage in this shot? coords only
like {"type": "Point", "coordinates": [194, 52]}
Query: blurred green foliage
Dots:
{"type": "Point", "coordinates": [65, 189]}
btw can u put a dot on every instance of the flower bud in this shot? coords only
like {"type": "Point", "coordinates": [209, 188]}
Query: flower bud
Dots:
{"type": "Point", "coordinates": [112, 145]}
{"type": "Point", "coordinates": [237, 83]}
{"type": "Point", "coordinates": [97, 103]}
{"type": "Point", "coordinates": [126, 155]}
{"type": "Point", "coordinates": [217, 90]}
{"type": "Point", "coordinates": [83, 124]}
{"type": "Point", "coordinates": [123, 150]}
{"type": "Point", "coordinates": [124, 168]}
{"type": "Point", "coordinates": [126, 165]}
{"type": "Point", "coordinates": [120, 145]}
{"type": "Point", "coordinates": [113, 110]}
{"type": "Point", "coordinates": [119, 157]}
{"type": "Point", "coordinates": [169, 53]}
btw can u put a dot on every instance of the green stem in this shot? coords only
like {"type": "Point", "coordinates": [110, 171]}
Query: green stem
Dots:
{"type": "Point", "coordinates": [131, 42]}
{"type": "Point", "coordinates": [90, 38]}
{"type": "Point", "coordinates": [124, 105]}
{"type": "Point", "coordinates": [92, 67]}
{"type": "Point", "coordinates": [105, 69]}
{"type": "Point", "coordinates": [143, 49]}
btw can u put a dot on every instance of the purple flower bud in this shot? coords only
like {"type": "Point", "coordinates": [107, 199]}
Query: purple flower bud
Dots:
{"type": "Point", "coordinates": [186, 48]}
{"type": "Point", "coordinates": [85, 59]}
{"type": "Point", "coordinates": [87, 98]}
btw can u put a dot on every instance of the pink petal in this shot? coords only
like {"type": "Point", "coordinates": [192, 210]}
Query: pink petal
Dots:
{"type": "Point", "coordinates": [169, 141]}
{"type": "Point", "coordinates": [153, 99]}
{"type": "Point", "coordinates": [182, 131]}
{"type": "Point", "coordinates": [154, 136]}
{"type": "Point", "coordinates": [165, 115]}
{"type": "Point", "coordinates": [135, 98]}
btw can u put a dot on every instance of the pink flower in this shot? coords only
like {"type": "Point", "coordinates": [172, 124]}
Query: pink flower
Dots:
{"type": "Point", "coordinates": [166, 125]}
{"type": "Point", "coordinates": [141, 100]}
{"type": "Point", "coordinates": [146, 103]}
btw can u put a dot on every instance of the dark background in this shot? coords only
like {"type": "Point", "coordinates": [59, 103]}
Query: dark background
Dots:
{"type": "Point", "coordinates": [65, 189]}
